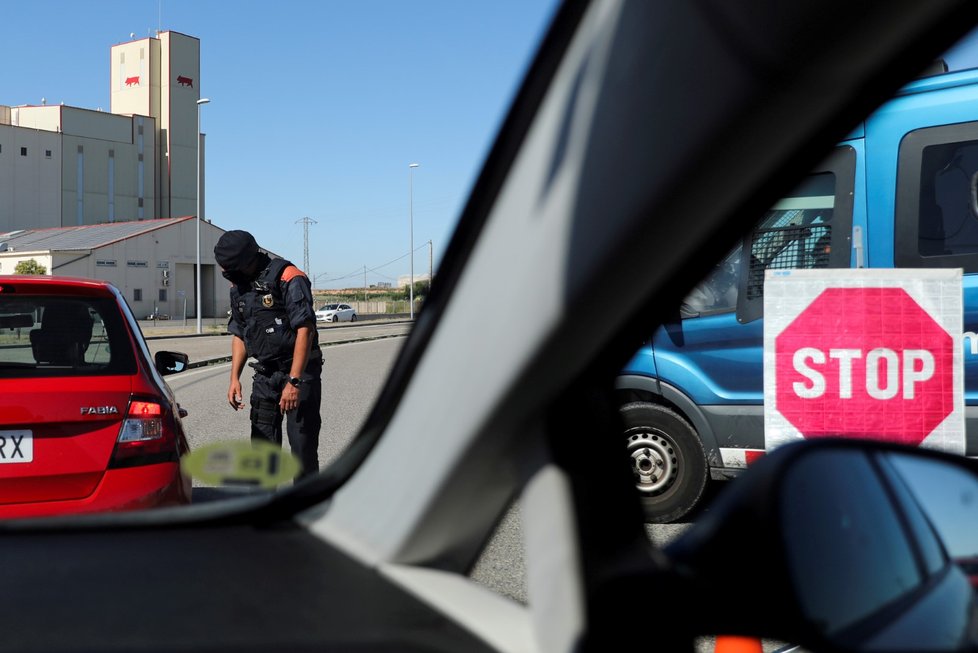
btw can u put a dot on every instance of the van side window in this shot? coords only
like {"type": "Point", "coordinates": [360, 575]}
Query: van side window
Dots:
{"type": "Point", "coordinates": [795, 234]}
{"type": "Point", "coordinates": [946, 223]}
{"type": "Point", "coordinates": [935, 227]}
{"type": "Point", "coordinates": [717, 293]}
{"type": "Point", "coordinates": [798, 232]}
{"type": "Point", "coordinates": [810, 228]}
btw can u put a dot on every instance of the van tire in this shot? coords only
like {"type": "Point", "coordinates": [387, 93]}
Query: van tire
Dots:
{"type": "Point", "coordinates": [667, 459]}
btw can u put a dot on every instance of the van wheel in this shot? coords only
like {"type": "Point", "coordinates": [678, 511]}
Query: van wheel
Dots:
{"type": "Point", "coordinates": [668, 461]}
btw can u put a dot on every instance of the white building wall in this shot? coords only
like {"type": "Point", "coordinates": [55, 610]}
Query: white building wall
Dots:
{"type": "Point", "coordinates": [30, 178]}
{"type": "Point", "coordinates": [46, 117]}
{"type": "Point", "coordinates": [103, 169]}
{"type": "Point", "coordinates": [404, 280]}
{"type": "Point", "coordinates": [96, 125]}
{"type": "Point", "coordinates": [136, 267]}
{"type": "Point", "coordinates": [113, 179]}
{"type": "Point", "coordinates": [179, 92]}
{"type": "Point", "coordinates": [135, 89]}
{"type": "Point", "coordinates": [9, 260]}
{"type": "Point", "coordinates": [134, 77]}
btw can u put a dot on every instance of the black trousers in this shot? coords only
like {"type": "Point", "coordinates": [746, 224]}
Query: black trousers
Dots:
{"type": "Point", "coordinates": [302, 424]}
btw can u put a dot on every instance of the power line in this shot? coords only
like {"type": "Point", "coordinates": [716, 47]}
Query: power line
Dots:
{"type": "Point", "coordinates": [359, 270]}
{"type": "Point", "coordinates": [346, 276]}
{"type": "Point", "coordinates": [381, 274]}
{"type": "Point", "coordinates": [403, 256]}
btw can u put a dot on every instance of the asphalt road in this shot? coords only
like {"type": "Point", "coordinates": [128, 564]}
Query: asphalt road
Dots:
{"type": "Point", "coordinates": [356, 363]}
{"type": "Point", "coordinates": [353, 374]}
{"type": "Point", "coordinates": [352, 377]}
{"type": "Point", "coordinates": [357, 359]}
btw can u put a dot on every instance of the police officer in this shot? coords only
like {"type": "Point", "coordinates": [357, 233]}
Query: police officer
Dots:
{"type": "Point", "coordinates": [272, 320]}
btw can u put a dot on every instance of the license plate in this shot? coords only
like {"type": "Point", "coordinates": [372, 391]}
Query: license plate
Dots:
{"type": "Point", "coordinates": [16, 446]}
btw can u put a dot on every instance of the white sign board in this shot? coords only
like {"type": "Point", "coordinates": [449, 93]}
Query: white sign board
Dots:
{"type": "Point", "coordinates": [867, 353]}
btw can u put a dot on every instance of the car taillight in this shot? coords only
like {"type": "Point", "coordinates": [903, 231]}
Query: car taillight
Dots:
{"type": "Point", "coordinates": [147, 435]}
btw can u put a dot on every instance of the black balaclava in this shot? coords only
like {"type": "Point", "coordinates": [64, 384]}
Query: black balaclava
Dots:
{"type": "Point", "coordinates": [237, 252]}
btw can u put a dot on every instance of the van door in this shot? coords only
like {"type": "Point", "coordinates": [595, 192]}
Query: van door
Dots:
{"type": "Point", "coordinates": [713, 355]}
{"type": "Point", "coordinates": [935, 227]}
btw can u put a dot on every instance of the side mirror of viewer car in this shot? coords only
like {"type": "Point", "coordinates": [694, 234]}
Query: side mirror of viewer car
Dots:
{"type": "Point", "coordinates": [848, 545]}
{"type": "Point", "coordinates": [170, 362]}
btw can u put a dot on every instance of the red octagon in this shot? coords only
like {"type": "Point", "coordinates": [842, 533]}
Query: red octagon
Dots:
{"type": "Point", "coordinates": [867, 363]}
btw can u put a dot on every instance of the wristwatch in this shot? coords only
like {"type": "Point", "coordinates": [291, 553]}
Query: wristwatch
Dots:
{"type": "Point", "coordinates": [296, 381]}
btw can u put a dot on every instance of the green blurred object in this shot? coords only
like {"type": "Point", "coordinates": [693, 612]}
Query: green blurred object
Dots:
{"type": "Point", "coordinates": [250, 463]}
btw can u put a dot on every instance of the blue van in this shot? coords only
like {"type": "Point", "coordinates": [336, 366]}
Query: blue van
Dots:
{"type": "Point", "coordinates": [895, 193]}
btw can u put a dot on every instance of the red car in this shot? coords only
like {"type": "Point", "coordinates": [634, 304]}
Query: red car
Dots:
{"type": "Point", "coordinates": [87, 423]}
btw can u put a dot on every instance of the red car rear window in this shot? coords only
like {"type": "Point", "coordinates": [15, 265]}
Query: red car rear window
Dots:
{"type": "Point", "coordinates": [46, 336]}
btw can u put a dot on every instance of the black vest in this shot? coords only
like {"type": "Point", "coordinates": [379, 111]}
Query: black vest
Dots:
{"type": "Point", "coordinates": [268, 335]}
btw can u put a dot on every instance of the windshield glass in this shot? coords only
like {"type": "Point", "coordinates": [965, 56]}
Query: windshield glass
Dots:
{"type": "Point", "coordinates": [353, 180]}
{"type": "Point", "coordinates": [227, 190]}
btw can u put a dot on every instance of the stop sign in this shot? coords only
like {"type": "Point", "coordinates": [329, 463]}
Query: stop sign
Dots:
{"type": "Point", "coordinates": [864, 353]}
{"type": "Point", "coordinates": [865, 362]}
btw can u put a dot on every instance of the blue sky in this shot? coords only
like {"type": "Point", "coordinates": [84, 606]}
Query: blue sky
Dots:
{"type": "Point", "coordinates": [317, 108]}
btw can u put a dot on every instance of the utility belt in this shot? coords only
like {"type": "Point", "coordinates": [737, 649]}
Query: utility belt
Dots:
{"type": "Point", "coordinates": [272, 367]}
{"type": "Point", "coordinates": [269, 368]}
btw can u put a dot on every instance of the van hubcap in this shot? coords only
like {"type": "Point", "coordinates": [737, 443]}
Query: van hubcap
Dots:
{"type": "Point", "coordinates": [654, 461]}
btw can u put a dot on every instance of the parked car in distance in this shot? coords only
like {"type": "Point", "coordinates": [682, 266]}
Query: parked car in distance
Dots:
{"type": "Point", "coordinates": [336, 313]}
{"type": "Point", "coordinates": [87, 423]}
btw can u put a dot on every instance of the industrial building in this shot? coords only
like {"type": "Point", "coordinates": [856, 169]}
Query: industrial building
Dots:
{"type": "Point", "coordinates": [151, 261]}
{"type": "Point", "coordinates": [71, 179]}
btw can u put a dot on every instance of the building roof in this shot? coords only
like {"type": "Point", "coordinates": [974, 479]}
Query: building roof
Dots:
{"type": "Point", "coordinates": [83, 237]}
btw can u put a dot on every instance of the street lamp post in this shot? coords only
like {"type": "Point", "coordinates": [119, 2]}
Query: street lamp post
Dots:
{"type": "Point", "coordinates": [411, 168]}
{"type": "Point", "coordinates": [200, 102]}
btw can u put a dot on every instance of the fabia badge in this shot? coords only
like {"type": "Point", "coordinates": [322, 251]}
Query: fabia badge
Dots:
{"type": "Point", "coordinates": [267, 301]}
{"type": "Point", "coordinates": [99, 410]}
